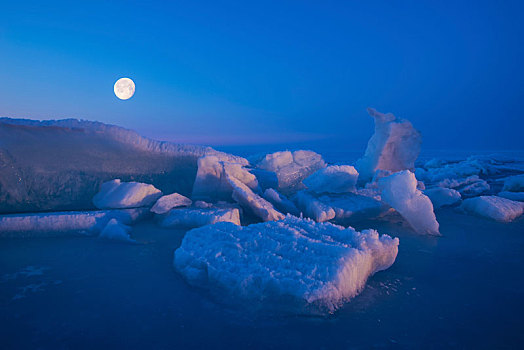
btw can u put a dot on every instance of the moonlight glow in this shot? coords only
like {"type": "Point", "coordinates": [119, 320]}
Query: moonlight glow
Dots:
{"type": "Point", "coordinates": [124, 88]}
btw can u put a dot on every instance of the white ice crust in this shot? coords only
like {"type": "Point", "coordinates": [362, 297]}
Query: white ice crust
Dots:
{"type": "Point", "coordinates": [116, 194]}
{"type": "Point", "coordinates": [295, 260]}
{"type": "Point", "coordinates": [494, 207]}
{"type": "Point", "coordinates": [333, 179]}
{"type": "Point", "coordinates": [394, 146]}
{"type": "Point", "coordinates": [399, 190]}
{"type": "Point", "coordinates": [170, 201]}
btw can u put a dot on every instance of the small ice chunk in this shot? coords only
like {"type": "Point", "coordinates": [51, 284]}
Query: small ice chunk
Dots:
{"type": "Point", "coordinates": [115, 194]}
{"type": "Point", "coordinates": [474, 189]}
{"type": "Point", "coordinates": [313, 208]}
{"type": "Point", "coordinates": [252, 201]}
{"type": "Point", "coordinates": [514, 183]}
{"type": "Point", "coordinates": [281, 202]}
{"type": "Point", "coordinates": [166, 203]}
{"type": "Point", "coordinates": [394, 146]}
{"type": "Point", "coordinates": [211, 179]}
{"type": "Point", "coordinates": [434, 163]}
{"type": "Point", "coordinates": [493, 207]}
{"type": "Point", "coordinates": [468, 187]}
{"type": "Point", "coordinates": [340, 208]}
{"type": "Point", "coordinates": [202, 204]}
{"type": "Point", "coordinates": [514, 196]}
{"type": "Point", "coordinates": [441, 196]}
{"type": "Point", "coordinates": [399, 190]}
{"type": "Point", "coordinates": [293, 263]}
{"type": "Point", "coordinates": [197, 217]}
{"type": "Point", "coordinates": [115, 230]}
{"type": "Point", "coordinates": [291, 168]}
{"type": "Point", "coordinates": [333, 179]}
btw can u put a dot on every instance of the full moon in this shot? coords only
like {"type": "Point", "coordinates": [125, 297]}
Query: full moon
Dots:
{"type": "Point", "coordinates": [124, 88]}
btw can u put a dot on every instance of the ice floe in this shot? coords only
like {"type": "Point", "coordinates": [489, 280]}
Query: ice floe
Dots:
{"type": "Point", "coordinates": [20, 225]}
{"type": "Point", "coordinates": [333, 179]}
{"type": "Point", "coordinates": [514, 196]}
{"type": "Point", "coordinates": [170, 201]}
{"type": "Point", "coordinates": [514, 183]}
{"type": "Point", "coordinates": [281, 202]}
{"type": "Point", "coordinates": [185, 218]}
{"type": "Point", "coordinates": [340, 208]}
{"type": "Point", "coordinates": [115, 230]}
{"type": "Point", "coordinates": [399, 190]}
{"type": "Point", "coordinates": [211, 180]}
{"type": "Point", "coordinates": [252, 201]}
{"type": "Point", "coordinates": [494, 207]}
{"type": "Point", "coordinates": [293, 261]}
{"type": "Point", "coordinates": [291, 167]}
{"type": "Point", "coordinates": [116, 194]}
{"type": "Point", "coordinates": [441, 196]}
{"type": "Point", "coordinates": [394, 146]}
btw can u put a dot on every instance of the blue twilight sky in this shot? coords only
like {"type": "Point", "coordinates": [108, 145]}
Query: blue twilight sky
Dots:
{"type": "Point", "coordinates": [262, 72]}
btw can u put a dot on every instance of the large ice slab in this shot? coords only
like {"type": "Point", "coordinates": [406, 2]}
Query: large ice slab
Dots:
{"type": "Point", "coordinates": [293, 261]}
{"type": "Point", "coordinates": [493, 207]}
{"type": "Point", "coordinates": [291, 167]}
{"type": "Point", "coordinates": [170, 201]}
{"type": "Point", "coordinates": [211, 180]}
{"type": "Point", "coordinates": [116, 194]}
{"type": "Point", "coordinates": [341, 208]}
{"type": "Point", "coordinates": [59, 165]}
{"type": "Point", "coordinates": [31, 224]}
{"type": "Point", "coordinates": [252, 201]}
{"type": "Point", "coordinates": [333, 179]}
{"type": "Point", "coordinates": [441, 196]}
{"type": "Point", "coordinates": [394, 146]}
{"type": "Point", "coordinates": [197, 217]}
{"type": "Point", "coordinates": [399, 190]}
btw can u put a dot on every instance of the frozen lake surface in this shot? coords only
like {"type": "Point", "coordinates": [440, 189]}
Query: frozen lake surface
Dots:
{"type": "Point", "coordinates": [462, 290]}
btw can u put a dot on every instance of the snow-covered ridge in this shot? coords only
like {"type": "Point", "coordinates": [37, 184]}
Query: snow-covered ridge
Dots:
{"type": "Point", "coordinates": [117, 133]}
{"type": "Point", "coordinates": [60, 164]}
